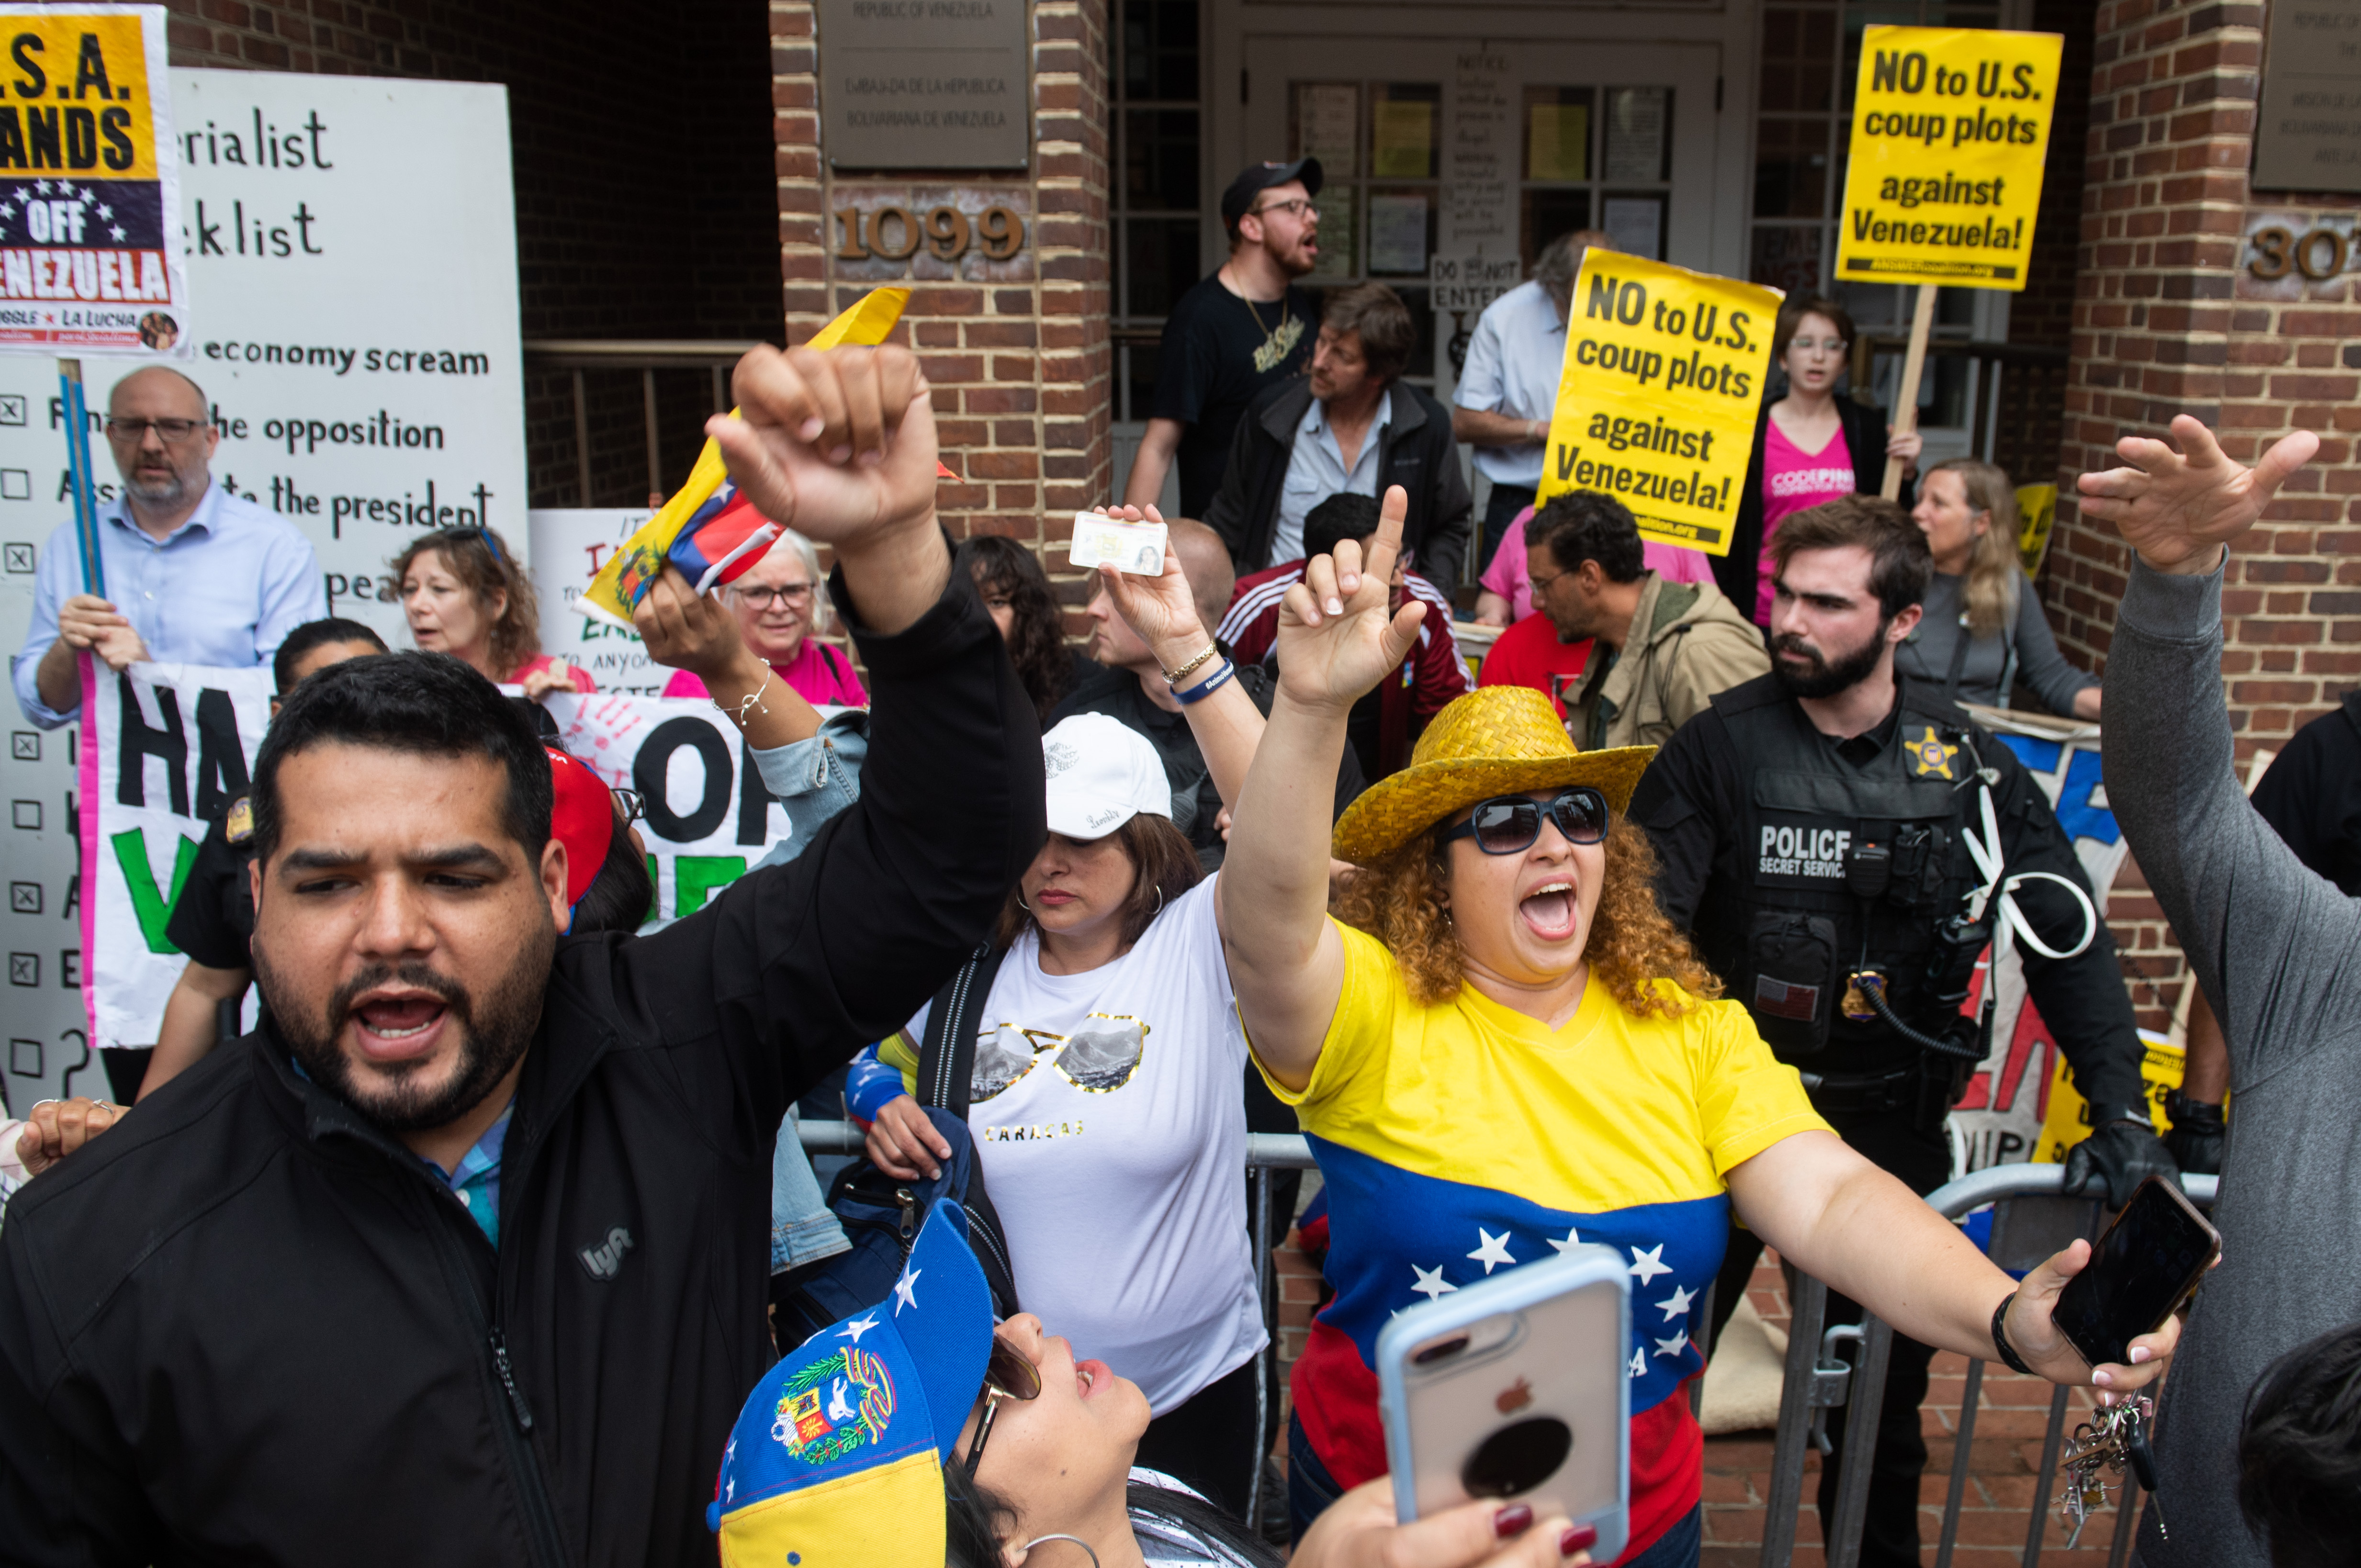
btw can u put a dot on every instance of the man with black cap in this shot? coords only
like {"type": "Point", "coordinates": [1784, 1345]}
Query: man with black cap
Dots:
{"type": "Point", "coordinates": [1236, 333]}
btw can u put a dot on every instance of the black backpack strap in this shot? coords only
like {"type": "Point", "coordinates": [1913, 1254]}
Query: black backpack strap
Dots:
{"type": "Point", "coordinates": [947, 1055]}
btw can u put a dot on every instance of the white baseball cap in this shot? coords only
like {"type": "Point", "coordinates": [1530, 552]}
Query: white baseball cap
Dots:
{"type": "Point", "coordinates": [1102, 774]}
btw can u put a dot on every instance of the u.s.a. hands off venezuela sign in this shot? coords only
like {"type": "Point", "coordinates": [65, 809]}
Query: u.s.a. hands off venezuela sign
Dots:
{"type": "Point", "coordinates": [90, 224]}
{"type": "Point", "coordinates": [1657, 402]}
{"type": "Point", "coordinates": [1949, 129]}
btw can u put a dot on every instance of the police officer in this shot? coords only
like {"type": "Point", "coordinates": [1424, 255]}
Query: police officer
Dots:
{"type": "Point", "coordinates": [1841, 845]}
{"type": "Point", "coordinates": [214, 917]}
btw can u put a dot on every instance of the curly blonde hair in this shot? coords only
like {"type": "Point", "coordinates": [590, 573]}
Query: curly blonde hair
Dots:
{"type": "Point", "coordinates": [1631, 947]}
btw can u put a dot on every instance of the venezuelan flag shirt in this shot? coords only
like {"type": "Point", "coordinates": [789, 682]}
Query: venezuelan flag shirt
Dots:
{"type": "Point", "coordinates": [1466, 1139]}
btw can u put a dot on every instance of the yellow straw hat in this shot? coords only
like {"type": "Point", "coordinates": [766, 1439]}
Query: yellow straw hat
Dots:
{"type": "Point", "coordinates": [1494, 740]}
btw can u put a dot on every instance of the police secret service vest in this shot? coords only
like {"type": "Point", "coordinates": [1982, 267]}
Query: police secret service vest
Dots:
{"type": "Point", "coordinates": [1815, 832]}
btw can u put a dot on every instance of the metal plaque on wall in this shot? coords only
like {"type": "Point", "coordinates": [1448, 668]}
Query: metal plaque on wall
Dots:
{"type": "Point", "coordinates": [2308, 126]}
{"type": "Point", "coordinates": [924, 83]}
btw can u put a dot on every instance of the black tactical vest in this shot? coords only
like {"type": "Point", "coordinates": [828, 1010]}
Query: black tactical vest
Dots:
{"type": "Point", "coordinates": [1816, 834]}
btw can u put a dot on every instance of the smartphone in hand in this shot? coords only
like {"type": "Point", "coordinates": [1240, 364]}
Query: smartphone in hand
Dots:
{"type": "Point", "coordinates": [2142, 1268]}
{"type": "Point", "coordinates": [1516, 1388]}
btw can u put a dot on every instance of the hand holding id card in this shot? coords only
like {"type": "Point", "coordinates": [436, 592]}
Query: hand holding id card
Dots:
{"type": "Point", "coordinates": [1134, 548]}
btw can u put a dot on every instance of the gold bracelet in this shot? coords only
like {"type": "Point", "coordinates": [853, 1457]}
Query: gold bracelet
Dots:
{"type": "Point", "coordinates": [1174, 677]}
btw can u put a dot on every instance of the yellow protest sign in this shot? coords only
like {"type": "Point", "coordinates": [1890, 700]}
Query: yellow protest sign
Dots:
{"type": "Point", "coordinates": [1656, 406]}
{"type": "Point", "coordinates": [1949, 128]}
{"type": "Point", "coordinates": [631, 571]}
{"type": "Point", "coordinates": [2068, 1121]}
{"type": "Point", "coordinates": [91, 250]}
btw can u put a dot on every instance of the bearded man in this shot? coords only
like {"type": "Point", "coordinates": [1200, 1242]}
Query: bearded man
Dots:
{"type": "Point", "coordinates": [1813, 828]}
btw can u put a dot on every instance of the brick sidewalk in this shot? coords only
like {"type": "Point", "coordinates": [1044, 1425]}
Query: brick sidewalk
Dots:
{"type": "Point", "coordinates": [2012, 1414]}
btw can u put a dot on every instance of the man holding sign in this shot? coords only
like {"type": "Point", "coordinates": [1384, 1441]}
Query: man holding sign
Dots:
{"type": "Point", "coordinates": [516, 1185]}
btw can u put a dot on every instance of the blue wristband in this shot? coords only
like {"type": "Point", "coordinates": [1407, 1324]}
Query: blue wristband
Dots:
{"type": "Point", "coordinates": [1207, 686]}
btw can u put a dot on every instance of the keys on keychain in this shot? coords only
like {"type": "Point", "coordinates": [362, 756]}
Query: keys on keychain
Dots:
{"type": "Point", "coordinates": [2116, 1438]}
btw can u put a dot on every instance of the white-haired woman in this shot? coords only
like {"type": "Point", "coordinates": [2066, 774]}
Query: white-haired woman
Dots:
{"type": "Point", "coordinates": [779, 602]}
{"type": "Point", "coordinates": [1983, 631]}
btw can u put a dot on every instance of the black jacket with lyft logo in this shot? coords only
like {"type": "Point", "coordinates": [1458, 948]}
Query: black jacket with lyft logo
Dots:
{"type": "Point", "coordinates": [248, 1326]}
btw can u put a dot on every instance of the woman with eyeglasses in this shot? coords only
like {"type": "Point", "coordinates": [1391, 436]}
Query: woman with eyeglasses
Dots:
{"type": "Point", "coordinates": [465, 594]}
{"type": "Point", "coordinates": [1500, 1050]}
{"type": "Point", "coordinates": [1104, 1097]}
{"type": "Point", "coordinates": [779, 602]}
{"type": "Point", "coordinates": [1810, 446]}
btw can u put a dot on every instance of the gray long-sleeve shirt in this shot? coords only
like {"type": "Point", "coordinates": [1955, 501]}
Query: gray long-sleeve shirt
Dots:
{"type": "Point", "coordinates": [2277, 950]}
{"type": "Point", "coordinates": [2029, 645]}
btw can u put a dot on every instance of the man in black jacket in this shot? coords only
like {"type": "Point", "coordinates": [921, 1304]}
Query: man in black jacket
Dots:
{"type": "Point", "coordinates": [1352, 427]}
{"type": "Point", "coordinates": [462, 1258]}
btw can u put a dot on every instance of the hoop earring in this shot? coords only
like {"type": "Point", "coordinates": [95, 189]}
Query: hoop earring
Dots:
{"type": "Point", "coordinates": [1078, 1541]}
{"type": "Point", "coordinates": [1152, 914]}
{"type": "Point", "coordinates": [1025, 906]}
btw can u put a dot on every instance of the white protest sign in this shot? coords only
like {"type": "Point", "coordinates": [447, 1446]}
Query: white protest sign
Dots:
{"type": "Point", "coordinates": [1470, 282]}
{"type": "Point", "coordinates": [569, 547]}
{"type": "Point", "coordinates": [2000, 1120]}
{"type": "Point", "coordinates": [352, 241]}
{"type": "Point", "coordinates": [165, 749]}
{"type": "Point", "coordinates": [708, 817]}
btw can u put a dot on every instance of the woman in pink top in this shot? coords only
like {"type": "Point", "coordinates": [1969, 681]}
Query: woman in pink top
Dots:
{"type": "Point", "coordinates": [780, 602]}
{"type": "Point", "coordinates": [1810, 446]}
{"type": "Point", "coordinates": [1508, 595]}
{"type": "Point", "coordinates": [464, 594]}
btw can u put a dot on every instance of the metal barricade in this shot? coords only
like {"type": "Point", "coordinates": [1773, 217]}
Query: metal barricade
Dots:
{"type": "Point", "coordinates": [2033, 1220]}
{"type": "Point", "coordinates": [1266, 1152]}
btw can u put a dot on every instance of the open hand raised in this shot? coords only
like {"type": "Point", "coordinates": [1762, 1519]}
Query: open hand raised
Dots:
{"type": "Point", "coordinates": [1336, 638]}
{"type": "Point", "coordinates": [2179, 509]}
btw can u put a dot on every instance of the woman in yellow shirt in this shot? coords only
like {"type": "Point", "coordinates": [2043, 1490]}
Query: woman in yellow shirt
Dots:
{"type": "Point", "coordinates": [1476, 1101]}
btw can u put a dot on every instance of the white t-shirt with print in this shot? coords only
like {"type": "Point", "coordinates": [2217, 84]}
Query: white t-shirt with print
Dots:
{"type": "Point", "coordinates": [1109, 1113]}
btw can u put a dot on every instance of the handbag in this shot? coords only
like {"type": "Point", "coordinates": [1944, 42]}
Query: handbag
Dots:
{"type": "Point", "coordinates": [880, 1213]}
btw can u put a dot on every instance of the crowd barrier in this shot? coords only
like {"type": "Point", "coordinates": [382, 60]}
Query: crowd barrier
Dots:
{"type": "Point", "coordinates": [2031, 1220]}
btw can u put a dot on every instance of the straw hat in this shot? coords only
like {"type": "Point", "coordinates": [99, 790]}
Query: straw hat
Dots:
{"type": "Point", "coordinates": [1494, 740]}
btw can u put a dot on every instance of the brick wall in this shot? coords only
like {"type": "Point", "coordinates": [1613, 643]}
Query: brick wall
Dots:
{"type": "Point", "coordinates": [628, 225]}
{"type": "Point", "coordinates": [2168, 319]}
{"type": "Point", "coordinates": [1016, 350]}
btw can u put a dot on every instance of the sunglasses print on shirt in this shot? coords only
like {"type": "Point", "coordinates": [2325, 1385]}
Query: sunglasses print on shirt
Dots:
{"type": "Point", "coordinates": [1097, 1058]}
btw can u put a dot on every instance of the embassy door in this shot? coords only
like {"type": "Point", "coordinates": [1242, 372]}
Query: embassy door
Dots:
{"type": "Point", "coordinates": [1482, 151]}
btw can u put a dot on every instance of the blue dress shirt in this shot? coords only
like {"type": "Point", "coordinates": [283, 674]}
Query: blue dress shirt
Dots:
{"type": "Point", "coordinates": [222, 590]}
{"type": "Point", "coordinates": [1315, 470]}
{"type": "Point", "coordinates": [1513, 364]}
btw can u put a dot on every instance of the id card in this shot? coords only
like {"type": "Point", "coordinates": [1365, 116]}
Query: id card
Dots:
{"type": "Point", "coordinates": [1135, 547]}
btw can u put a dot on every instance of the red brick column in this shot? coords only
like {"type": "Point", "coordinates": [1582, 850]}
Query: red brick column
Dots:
{"type": "Point", "coordinates": [2170, 318]}
{"type": "Point", "coordinates": [1016, 350]}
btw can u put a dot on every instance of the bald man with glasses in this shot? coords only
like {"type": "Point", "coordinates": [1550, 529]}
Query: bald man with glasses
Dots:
{"type": "Point", "coordinates": [193, 573]}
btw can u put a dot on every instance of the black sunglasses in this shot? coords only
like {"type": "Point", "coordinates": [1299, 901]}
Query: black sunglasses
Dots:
{"type": "Point", "coordinates": [1510, 824]}
{"type": "Point", "coordinates": [1007, 1375]}
{"type": "Point", "coordinates": [631, 803]}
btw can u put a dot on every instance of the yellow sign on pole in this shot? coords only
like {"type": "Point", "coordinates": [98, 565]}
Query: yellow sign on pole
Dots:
{"type": "Point", "coordinates": [1656, 403]}
{"type": "Point", "coordinates": [1949, 128]}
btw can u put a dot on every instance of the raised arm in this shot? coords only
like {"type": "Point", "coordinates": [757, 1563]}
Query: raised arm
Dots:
{"type": "Point", "coordinates": [1225, 722]}
{"type": "Point", "coordinates": [690, 631]}
{"type": "Point", "coordinates": [1336, 641]}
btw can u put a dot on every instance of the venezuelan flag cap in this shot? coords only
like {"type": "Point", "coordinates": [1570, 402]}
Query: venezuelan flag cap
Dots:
{"type": "Point", "coordinates": [836, 1459]}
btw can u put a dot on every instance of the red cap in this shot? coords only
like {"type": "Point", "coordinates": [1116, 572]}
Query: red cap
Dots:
{"type": "Point", "coordinates": [582, 818]}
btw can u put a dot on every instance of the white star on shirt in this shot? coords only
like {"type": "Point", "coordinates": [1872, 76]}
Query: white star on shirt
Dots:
{"type": "Point", "coordinates": [906, 1293]}
{"type": "Point", "coordinates": [65, 187]}
{"type": "Point", "coordinates": [1673, 1345]}
{"type": "Point", "coordinates": [42, 186]}
{"type": "Point", "coordinates": [1639, 1363]}
{"type": "Point", "coordinates": [1677, 1303]}
{"type": "Point", "coordinates": [117, 230]}
{"type": "Point", "coordinates": [105, 210]}
{"type": "Point", "coordinates": [854, 1327]}
{"type": "Point", "coordinates": [1646, 1265]}
{"type": "Point", "coordinates": [1431, 1283]}
{"type": "Point", "coordinates": [1572, 1240]}
{"type": "Point", "coordinates": [1492, 1250]}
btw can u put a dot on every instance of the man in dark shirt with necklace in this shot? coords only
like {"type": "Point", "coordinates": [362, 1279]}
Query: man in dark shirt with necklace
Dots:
{"type": "Point", "coordinates": [1235, 333]}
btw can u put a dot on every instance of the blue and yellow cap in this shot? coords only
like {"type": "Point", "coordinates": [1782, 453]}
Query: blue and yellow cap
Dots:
{"type": "Point", "coordinates": [837, 1458]}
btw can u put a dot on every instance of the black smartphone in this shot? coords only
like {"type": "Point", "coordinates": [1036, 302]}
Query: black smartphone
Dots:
{"type": "Point", "coordinates": [2141, 1267]}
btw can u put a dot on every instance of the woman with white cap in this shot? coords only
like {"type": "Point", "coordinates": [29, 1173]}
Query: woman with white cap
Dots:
{"type": "Point", "coordinates": [1103, 1099]}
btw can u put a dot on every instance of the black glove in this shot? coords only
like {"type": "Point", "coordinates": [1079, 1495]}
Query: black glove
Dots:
{"type": "Point", "coordinates": [2198, 1130]}
{"type": "Point", "coordinates": [2117, 1156]}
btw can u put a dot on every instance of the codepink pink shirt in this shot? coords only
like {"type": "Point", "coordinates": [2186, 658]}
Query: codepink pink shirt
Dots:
{"type": "Point", "coordinates": [1793, 479]}
{"type": "Point", "coordinates": [821, 675]}
{"type": "Point", "coordinates": [1506, 575]}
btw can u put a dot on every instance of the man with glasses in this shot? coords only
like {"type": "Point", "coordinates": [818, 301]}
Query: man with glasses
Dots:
{"type": "Point", "coordinates": [1244, 329]}
{"type": "Point", "coordinates": [193, 573]}
{"type": "Point", "coordinates": [1842, 844]}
